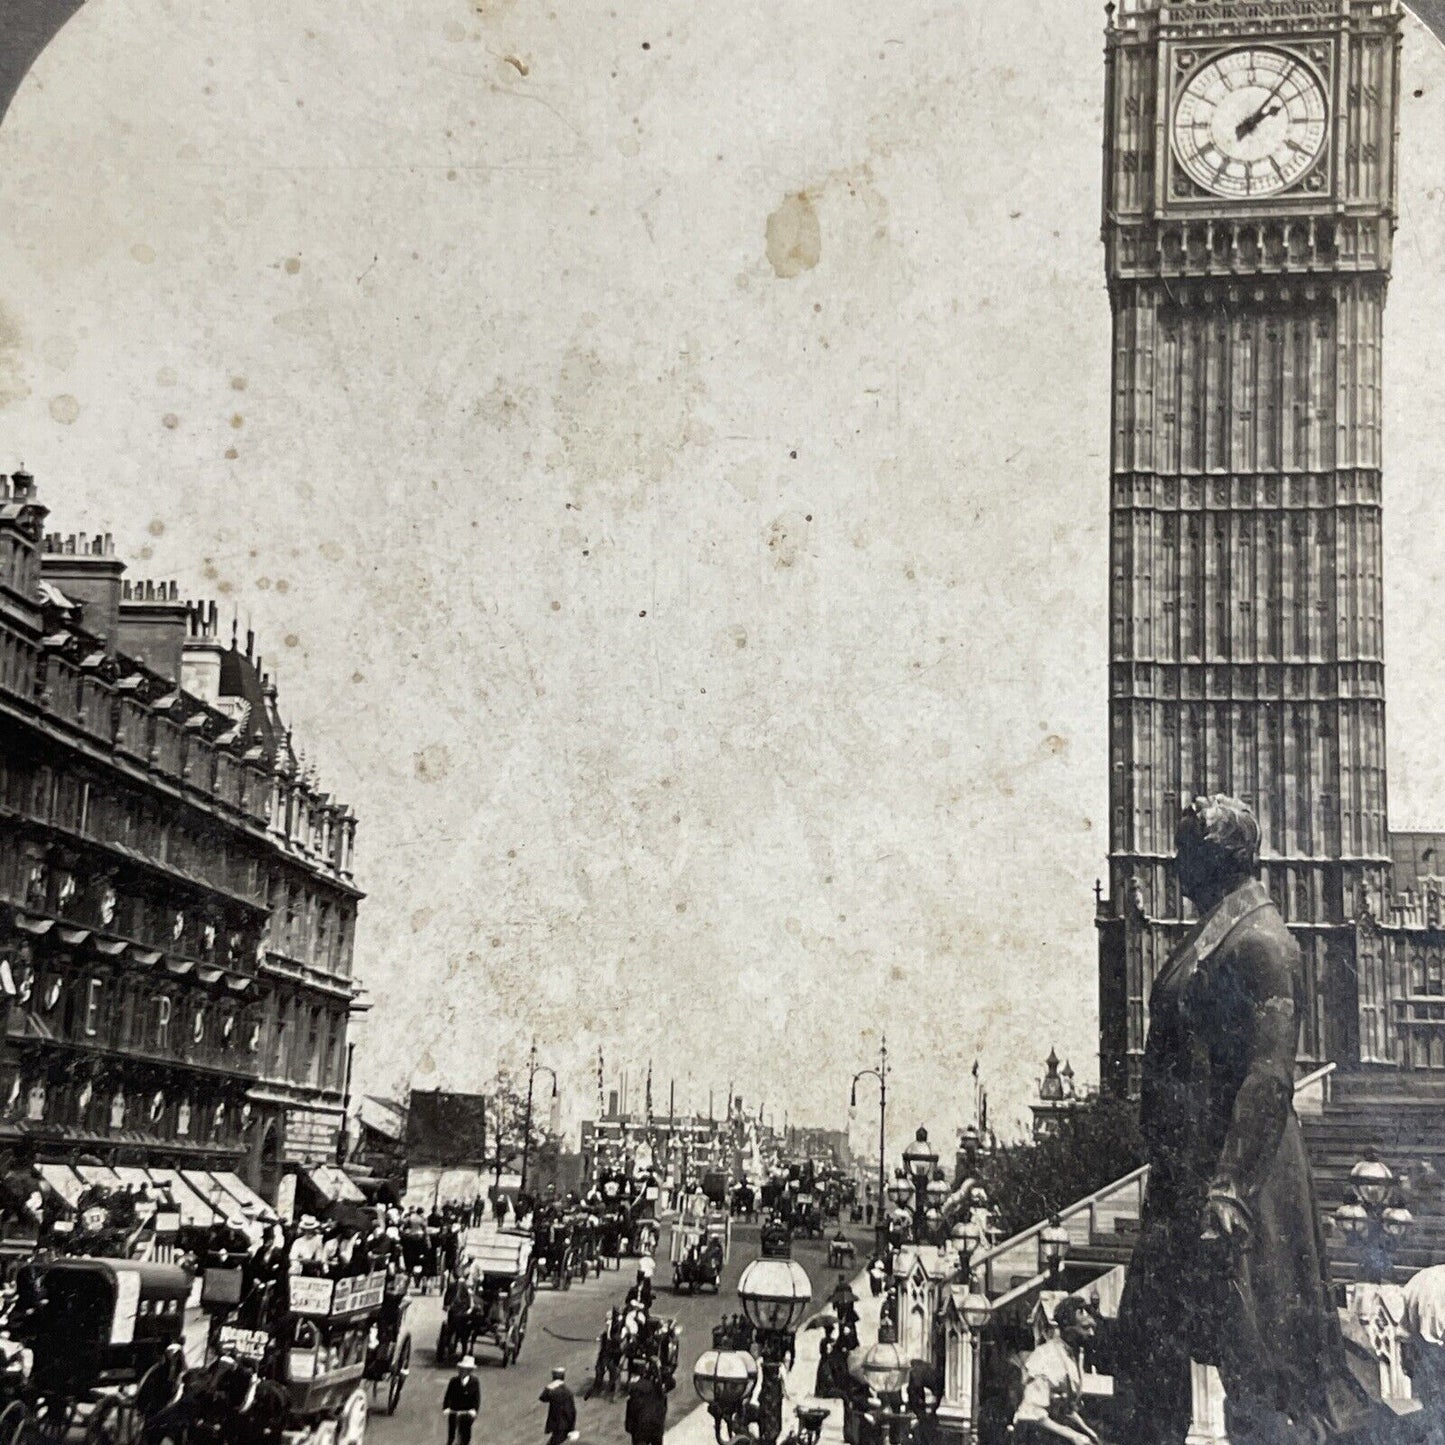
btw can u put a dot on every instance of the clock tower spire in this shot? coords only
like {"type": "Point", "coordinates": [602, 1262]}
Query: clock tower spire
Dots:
{"type": "Point", "coordinates": [1249, 212]}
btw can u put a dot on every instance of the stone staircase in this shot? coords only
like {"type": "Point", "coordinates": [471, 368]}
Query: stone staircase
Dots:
{"type": "Point", "coordinates": [1401, 1116]}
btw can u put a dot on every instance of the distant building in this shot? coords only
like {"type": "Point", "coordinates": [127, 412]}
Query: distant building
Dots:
{"type": "Point", "coordinates": [1057, 1097]}
{"type": "Point", "coordinates": [177, 909]}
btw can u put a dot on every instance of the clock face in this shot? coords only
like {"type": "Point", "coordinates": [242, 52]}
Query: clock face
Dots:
{"type": "Point", "coordinates": [1250, 123]}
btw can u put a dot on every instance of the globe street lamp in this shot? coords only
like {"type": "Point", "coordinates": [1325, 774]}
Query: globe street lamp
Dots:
{"type": "Point", "coordinates": [976, 1312]}
{"type": "Point", "coordinates": [1053, 1249]}
{"type": "Point", "coordinates": [723, 1380]}
{"type": "Point", "coordinates": [886, 1370]}
{"type": "Point", "coordinates": [775, 1293]}
{"type": "Point", "coordinates": [1373, 1218]}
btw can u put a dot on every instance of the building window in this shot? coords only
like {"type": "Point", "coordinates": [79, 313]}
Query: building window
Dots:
{"type": "Point", "coordinates": [163, 1022]}
{"type": "Point", "coordinates": [92, 1007]}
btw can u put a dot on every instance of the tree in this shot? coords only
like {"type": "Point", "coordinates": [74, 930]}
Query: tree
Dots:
{"type": "Point", "coordinates": [506, 1127]}
{"type": "Point", "coordinates": [1094, 1143]}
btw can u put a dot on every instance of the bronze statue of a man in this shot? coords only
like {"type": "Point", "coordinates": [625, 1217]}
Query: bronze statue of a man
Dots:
{"type": "Point", "coordinates": [1230, 1264]}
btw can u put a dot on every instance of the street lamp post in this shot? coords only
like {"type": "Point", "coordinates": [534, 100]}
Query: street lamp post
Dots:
{"type": "Point", "coordinates": [886, 1369]}
{"type": "Point", "coordinates": [533, 1069]}
{"type": "Point", "coordinates": [1053, 1249]}
{"type": "Point", "coordinates": [1373, 1218]}
{"type": "Point", "coordinates": [976, 1312]}
{"type": "Point", "coordinates": [775, 1292]}
{"type": "Point", "coordinates": [723, 1379]}
{"type": "Point", "coordinates": [880, 1227]}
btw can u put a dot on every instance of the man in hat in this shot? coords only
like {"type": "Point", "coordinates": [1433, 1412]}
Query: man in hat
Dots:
{"type": "Point", "coordinates": [308, 1250]}
{"type": "Point", "coordinates": [462, 1401]}
{"type": "Point", "coordinates": [561, 1409]}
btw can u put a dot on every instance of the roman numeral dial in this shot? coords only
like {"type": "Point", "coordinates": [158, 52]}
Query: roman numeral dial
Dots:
{"type": "Point", "coordinates": [1250, 123]}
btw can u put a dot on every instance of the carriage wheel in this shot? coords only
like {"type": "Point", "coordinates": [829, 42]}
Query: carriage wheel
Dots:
{"type": "Point", "coordinates": [350, 1429]}
{"type": "Point", "coordinates": [13, 1420]}
{"type": "Point", "coordinates": [399, 1371]}
{"type": "Point", "coordinates": [113, 1422]}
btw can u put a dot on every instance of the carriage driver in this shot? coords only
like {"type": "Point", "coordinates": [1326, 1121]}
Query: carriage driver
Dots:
{"type": "Point", "coordinates": [640, 1294]}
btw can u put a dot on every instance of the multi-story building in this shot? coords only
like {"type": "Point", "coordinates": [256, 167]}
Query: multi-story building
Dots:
{"type": "Point", "coordinates": [177, 909]}
{"type": "Point", "coordinates": [1249, 216]}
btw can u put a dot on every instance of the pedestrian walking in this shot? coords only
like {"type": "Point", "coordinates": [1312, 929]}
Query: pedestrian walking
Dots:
{"type": "Point", "coordinates": [462, 1402]}
{"type": "Point", "coordinates": [561, 1409]}
{"type": "Point", "coordinates": [646, 1418]}
{"type": "Point", "coordinates": [877, 1272]}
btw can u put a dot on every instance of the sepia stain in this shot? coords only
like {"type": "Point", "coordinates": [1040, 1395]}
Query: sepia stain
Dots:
{"type": "Point", "coordinates": [12, 382]}
{"type": "Point", "coordinates": [237, 421]}
{"type": "Point", "coordinates": [426, 1064]}
{"type": "Point", "coordinates": [293, 265]}
{"type": "Point", "coordinates": [170, 421]}
{"type": "Point", "coordinates": [518, 64]}
{"type": "Point", "coordinates": [263, 584]}
{"type": "Point", "coordinates": [794, 240]}
{"type": "Point", "coordinates": [432, 763]}
{"type": "Point", "coordinates": [231, 454]}
{"type": "Point", "coordinates": [58, 351]}
{"type": "Point", "coordinates": [358, 677]}
{"type": "Point", "coordinates": [1056, 745]}
{"type": "Point", "coordinates": [291, 640]}
{"type": "Point", "coordinates": [143, 253]}
{"type": "Point", "coordinates": [238, 383]}
{"type": "Point", "coordinates": [332, 551]}
{"type": "Point", "coordinates": [785, 540]}
{"type": "Point", "coordinates": [64, 408]}
{"type": "Point", "coordinates": [156, 527]}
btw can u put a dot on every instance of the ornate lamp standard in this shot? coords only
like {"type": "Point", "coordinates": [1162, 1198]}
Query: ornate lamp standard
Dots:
{"type": "Point", "coordinates": [723, 1379]}
{"type": "Point", "coordinates": [775, 1292]}
{"type": "Point", "coordinates": [1373, 1218]}
{"type": "Point", "coordinates": [976, 1313]}
{"type": "Point", "coordinates": [880, 1228]}
{"type": "Point", "coordinates": [1053, 1249]}
{"type": "Point", "coordinates": [533, 1069]}
{"type": "Point", "coordinates": [886, 1369]}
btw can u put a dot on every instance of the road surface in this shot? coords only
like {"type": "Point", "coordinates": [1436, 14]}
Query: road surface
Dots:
{"type": "Point", "coordinates": [562, 1330]}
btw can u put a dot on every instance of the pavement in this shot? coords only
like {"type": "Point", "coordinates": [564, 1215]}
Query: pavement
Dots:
{"type": "Point", "coordinates": [696, 1428]}
{"type": "Point", "coordinates": [562, 1330]}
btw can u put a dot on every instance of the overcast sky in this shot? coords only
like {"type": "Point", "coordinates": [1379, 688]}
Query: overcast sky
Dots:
{"type": "Point", "coordinates": [662, 450]}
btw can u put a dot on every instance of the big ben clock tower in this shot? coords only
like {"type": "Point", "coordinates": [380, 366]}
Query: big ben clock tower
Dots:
{"type": "Point", "coordinates": [1249, 210]}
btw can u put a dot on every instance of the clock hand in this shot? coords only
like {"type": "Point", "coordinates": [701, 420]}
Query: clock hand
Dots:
{"type": "Point", "coordinates": [1252, 123]}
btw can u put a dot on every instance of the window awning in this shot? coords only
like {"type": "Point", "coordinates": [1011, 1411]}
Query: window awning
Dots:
{"type": "Point", "coordinates": [245, 1193]}
{"type": "Point", "coordinates": [209, 1188]}
{"type": "Point", "coordinates": [194, 1209]}
{"type": "Point", "coordinates": [64, 1181]}
{"type": "Point", "coordinates": [98, 1174]}
{"type": "Point", "coordinates": [334, 1185]}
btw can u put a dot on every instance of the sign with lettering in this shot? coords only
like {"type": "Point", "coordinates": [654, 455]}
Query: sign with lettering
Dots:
{"type": "Point", "coordinates": [247, 1345]}
{"type": "Point", "coordinates": [310, 1296]}
{"type": "Point", "coordinates": [363, 1292]}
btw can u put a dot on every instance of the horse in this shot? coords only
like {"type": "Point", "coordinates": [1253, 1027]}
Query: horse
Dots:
{"type": "Point", "coordinates": [459, 1320]}
{"type": "Point", "coordinates": [608, 1369]}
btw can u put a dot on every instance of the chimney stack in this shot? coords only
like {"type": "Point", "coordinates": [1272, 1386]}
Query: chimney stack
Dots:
{"type": "Point", "coordinates": [87, 570]}
{"type": "Point", "coordinates": [153, 626]}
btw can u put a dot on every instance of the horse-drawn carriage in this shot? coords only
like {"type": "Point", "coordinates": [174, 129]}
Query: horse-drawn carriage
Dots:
{"type": "Point", "coordinates": [86, 1336]}
{"type": "Point", "coordinates": [324, 1348]}
{"type": "Point", "coordinates": [700, 1244]}
{"type": "Point", "coordinates": [559, 1253]}
{"type": "Point", "coordinates": [489, 1299]}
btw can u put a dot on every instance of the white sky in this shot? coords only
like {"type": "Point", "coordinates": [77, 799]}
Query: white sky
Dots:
{"type": "Point", "coordinates": [478, 295]}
